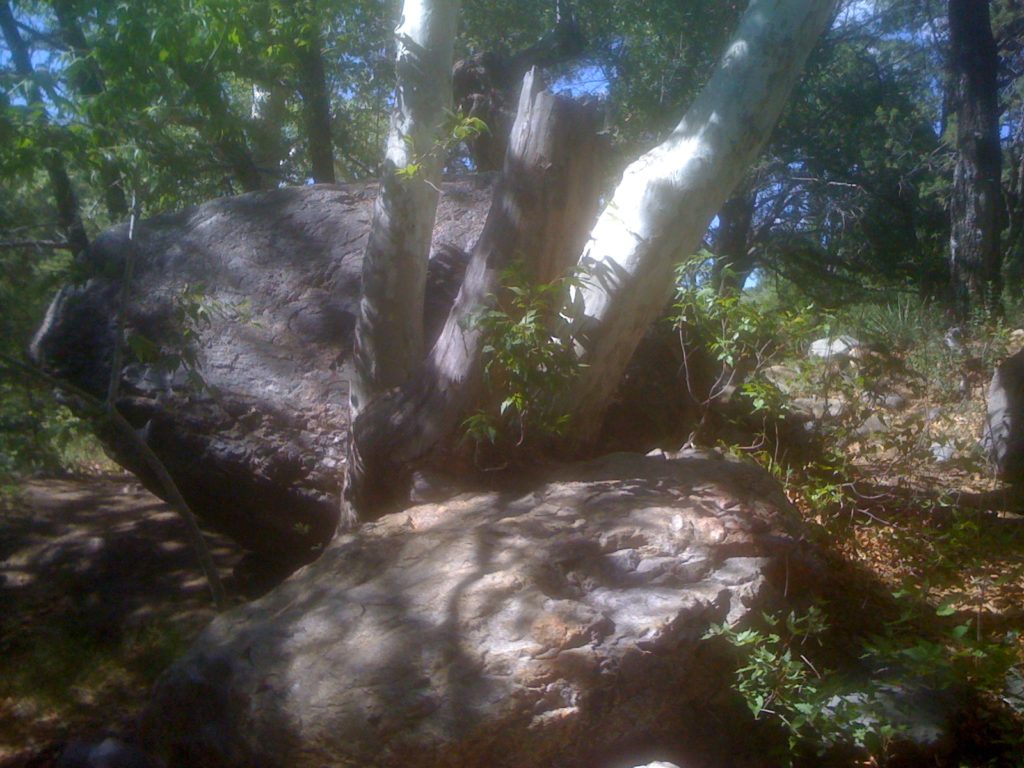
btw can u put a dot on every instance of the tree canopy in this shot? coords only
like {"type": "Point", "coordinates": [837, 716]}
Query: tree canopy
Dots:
{"type": "Point", "coordinates": [177, 102]}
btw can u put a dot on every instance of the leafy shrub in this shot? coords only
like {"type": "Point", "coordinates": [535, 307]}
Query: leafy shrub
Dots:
{"type": "Point", "coordinates": [822, 710]}
{"type": "Point", "coordinates": [742, 338]}
{"type": "Point", "coordinates": [529, 364]}
{"type": "Point", "coordinates": [458, 129]}
{"type": "Point", "coordinates": [817, 709]}
{"type": "Point", "coordinates": [37, 434]}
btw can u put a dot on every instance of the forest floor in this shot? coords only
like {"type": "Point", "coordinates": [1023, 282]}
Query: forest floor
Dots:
{"type": "Point", "coordinates": [916, 508]}
{"type": "Point", "coordinates": [933, 525]}
{"type": "Point", "coordinates": [100, 592]}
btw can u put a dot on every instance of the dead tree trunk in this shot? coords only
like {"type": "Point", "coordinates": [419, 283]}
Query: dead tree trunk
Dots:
{"type": "Point", "coordinates": [543, 205]}
{"type": "Point", "coordinates": [486, 85]}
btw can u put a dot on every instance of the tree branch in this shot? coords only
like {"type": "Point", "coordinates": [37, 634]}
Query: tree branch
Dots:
{"type": "Point", "coordinates": [42, 245]}
{"type": "Point", "coordinates": [107, 410]}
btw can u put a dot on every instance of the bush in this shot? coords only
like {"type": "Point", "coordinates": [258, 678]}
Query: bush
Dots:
{"type": "Point", "coordinates": [529, 364]}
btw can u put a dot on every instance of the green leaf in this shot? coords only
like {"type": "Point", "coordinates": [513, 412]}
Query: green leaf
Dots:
{"type": "Point", "coordinates": [960, 631]}
{"type": "Point", "coordinates": [143, 348]}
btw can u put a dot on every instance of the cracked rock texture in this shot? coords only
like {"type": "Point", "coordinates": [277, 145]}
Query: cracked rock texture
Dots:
{"type": "Point", "coordinates": [556, 624]}
{"type": "Point", "coordinates": [262, 290]}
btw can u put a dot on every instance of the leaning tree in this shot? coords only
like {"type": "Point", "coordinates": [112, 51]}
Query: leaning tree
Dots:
{"type": "Point", "coordinates": [659, 211]}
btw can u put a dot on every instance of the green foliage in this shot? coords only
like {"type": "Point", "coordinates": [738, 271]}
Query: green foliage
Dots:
{"type": "Point", "coordinates": [855, 173]}
{"type": "Point", "coordinates": [911, 331]}
{"type": "Point", "coordinates": [958, 657]}
{"type": "Point", "coordinates": [741, 337]}
{"type": "Point", "coordinates": [950, 562]}
{"type": "Point", "coordinates": [821, 709]}
{"type": "Point", "coordinates": [529, 363]}
{"type": "Point", "coordinates": [37, 434]}
{"type": "Point", "coordinates": [816, 708]}
{"type": "Point", "coordinates": [66, 664]}
{"type": "Point", "coordinates": [458, 129]}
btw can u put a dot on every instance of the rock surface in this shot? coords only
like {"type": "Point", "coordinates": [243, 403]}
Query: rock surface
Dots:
{"type": "Point", "coordinates": [1004, 424]}
{"type": "Point", "coordinates": [267, 287]}
{"type": "Point", "coordinates": [559, 623]}
{"type": "Point", "coordinates": [262, 291]}
{"type": "Point", "coordinates": [839, 348]}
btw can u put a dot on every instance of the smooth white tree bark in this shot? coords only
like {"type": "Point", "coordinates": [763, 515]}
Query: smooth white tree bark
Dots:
{"type": "Point", "coordinates": [667, 198]}
{"type": "Point", "coordinates": [389, 331]}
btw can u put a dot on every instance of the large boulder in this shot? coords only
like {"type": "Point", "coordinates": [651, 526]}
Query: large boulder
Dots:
{"type": "Point", "coordinates": [558, 623]}
{"type": "Point", "coordinates": [1004, 424]}
{"type": "Point", "coordinates": [257, 294]}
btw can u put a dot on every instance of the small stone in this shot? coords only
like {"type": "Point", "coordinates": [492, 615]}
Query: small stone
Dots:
{"type": "Point", "coordinates": [942, 452]}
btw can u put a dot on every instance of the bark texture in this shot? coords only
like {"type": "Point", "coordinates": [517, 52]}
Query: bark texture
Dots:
{"type": "Point", "coordinates": [389, 332]}
{"type": "Point", "coordinates": [1014, 194]}
{"type": "Point", "coordinates": [486, 85]}
{"type": "Point", "coordinates": [975, 205]}
{"type": "Point", "coordinates": [316, 106]}
{"type": "Point", "coordinates": [544, 203]}
{"type": "Point", "coordinates": [666, 199]}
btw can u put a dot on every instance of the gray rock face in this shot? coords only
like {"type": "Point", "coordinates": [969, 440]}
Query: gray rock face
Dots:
{"type": "Point", "coordinates": [262, 290]}
{"type": "Point", "coordinates": [555, 624]}
{"type": "Point", "coordinates": [265, 288]}
{"type": "Point", "coordinates": [1004, 424]}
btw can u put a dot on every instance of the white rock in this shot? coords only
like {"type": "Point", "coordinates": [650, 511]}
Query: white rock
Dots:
{"type": "Point", "coordinates": [840, 346]}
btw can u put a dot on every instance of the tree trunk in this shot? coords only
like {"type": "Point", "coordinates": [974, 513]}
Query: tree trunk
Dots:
{"type": "Point", "coordinates": [661, 208]}
{"type": "Point", "coordinates": [69, 216]}
{"type": "Point", "coordinates": [1014, 200]}
{"type": "Point", "coordinates": [316, 106]}
{"type": "Point", "coordinates": [486, 86]}
{"type": "Point", "coordinates": [389, 331]}
{"type": "Point", "coordinates": [734, 259]}
{"type": "Point", "coordinates": [89, 81]}
{"type": "Point", "coordinates": [666, 199]}
{"type": "Point", "coordinates": [227, 132]}
{"type": "Point", "coordinates": [975, 257]}
{"type": "Point", "coordinates": [269, 112]}
{"type": "Point", "coordinates": [543, 206]}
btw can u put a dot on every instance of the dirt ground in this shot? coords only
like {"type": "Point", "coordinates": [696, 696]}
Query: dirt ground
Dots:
{"type": "Point", "coordinates": [99, 591]}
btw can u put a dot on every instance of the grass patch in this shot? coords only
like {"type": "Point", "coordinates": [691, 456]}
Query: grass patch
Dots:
{"type": "Point", "coordinates": [60, 677]}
